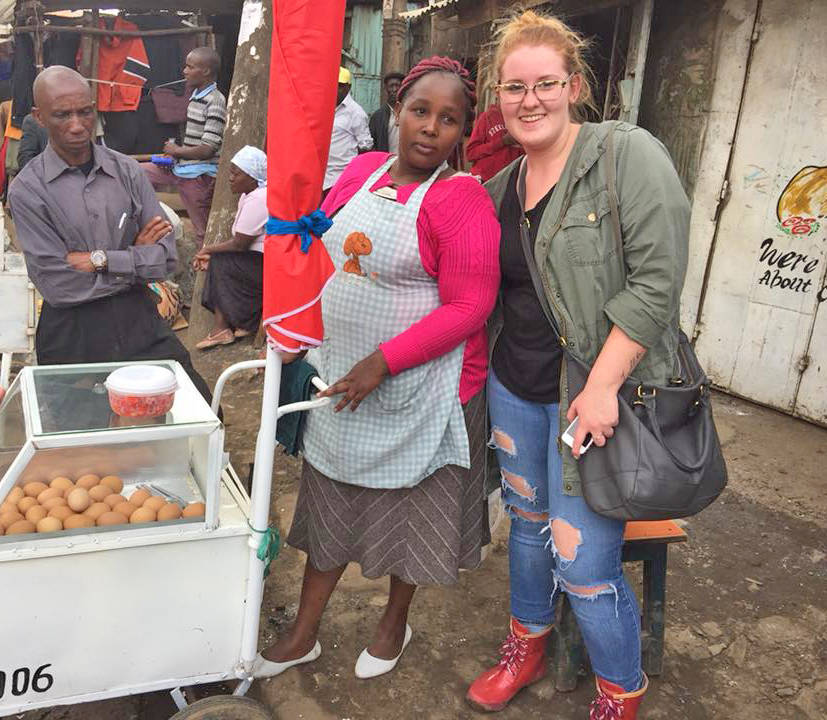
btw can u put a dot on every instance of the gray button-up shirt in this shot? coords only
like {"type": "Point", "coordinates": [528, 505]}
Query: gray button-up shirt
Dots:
{"type": "Point", "coordinates": [57, 210]}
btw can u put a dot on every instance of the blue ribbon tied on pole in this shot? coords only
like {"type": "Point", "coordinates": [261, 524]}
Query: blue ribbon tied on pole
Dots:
{"type": "Point", "coordinates": [317, 223]}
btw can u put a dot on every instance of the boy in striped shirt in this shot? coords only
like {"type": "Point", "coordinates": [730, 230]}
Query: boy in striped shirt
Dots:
{"type": "Point", "coordinates": [196, 160]}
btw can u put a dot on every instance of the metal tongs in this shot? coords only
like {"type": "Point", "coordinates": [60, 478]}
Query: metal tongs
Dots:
{"type": "Point", "coordinates": [154, 489]}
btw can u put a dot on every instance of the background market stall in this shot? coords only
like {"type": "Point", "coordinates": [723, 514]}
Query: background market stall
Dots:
{"type": "Point", "coordinates": [133, 54]}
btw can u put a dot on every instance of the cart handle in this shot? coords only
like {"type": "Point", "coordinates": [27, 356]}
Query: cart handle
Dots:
{"type": "Point", "coordinates": [227, 374]}
{"type": "Point", "coordinates": [255, 364]}
{"type": "Point", "coordinates": [307, 404]}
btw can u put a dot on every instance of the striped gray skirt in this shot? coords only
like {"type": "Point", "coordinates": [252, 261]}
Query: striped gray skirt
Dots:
{"type": "Point", "coordinates": [423, 535]}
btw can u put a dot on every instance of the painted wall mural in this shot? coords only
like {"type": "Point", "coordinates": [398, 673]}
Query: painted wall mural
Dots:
{"type": "Point", "coordinates": [801, 212]}
{"type": "Point", "coordinates": [802, 205]}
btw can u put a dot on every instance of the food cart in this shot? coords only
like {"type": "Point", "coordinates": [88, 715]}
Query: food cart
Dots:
{"type": "Point", "coordinates": [18, 308]}
{"type": "Point", "coordinates": [106, 611]}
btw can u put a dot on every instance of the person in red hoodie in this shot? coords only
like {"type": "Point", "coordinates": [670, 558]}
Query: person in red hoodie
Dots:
{"type": "Point", "coordinates": [491, 148]}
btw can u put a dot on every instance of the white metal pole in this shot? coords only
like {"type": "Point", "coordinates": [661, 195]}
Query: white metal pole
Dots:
{"type": "Point", "coordinates": [5, 370]}
{"type": "Point", "coordinates": [260, 507]}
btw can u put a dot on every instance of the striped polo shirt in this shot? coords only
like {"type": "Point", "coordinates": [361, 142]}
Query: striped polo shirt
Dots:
{"type": "Point", "coordinates": [206, 118]}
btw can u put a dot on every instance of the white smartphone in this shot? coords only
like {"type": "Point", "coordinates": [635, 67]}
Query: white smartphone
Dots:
{"type": "Point", "coordinates": [568, 437]}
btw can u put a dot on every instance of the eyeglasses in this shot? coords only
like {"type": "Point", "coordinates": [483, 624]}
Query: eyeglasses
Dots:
{"type": "Point", "coordinates": [545, 90]}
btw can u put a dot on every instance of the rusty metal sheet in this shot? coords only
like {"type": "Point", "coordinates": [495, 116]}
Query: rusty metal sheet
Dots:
{"type": "Point", "coordinates": [725, 66]}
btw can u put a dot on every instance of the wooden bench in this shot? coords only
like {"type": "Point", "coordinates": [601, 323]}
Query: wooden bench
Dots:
{"type": "Point", "coordinates": [645, 542]}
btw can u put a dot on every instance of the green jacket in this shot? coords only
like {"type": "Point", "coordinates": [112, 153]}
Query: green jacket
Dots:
{"type": "Point", "coordinates": [587, 288]}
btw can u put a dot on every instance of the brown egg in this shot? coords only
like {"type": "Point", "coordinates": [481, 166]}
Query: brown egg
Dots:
{"type": "Point", "coordinates": [139, 497]}
{"type": "Point", "coordinates": [25, 503]}
{"type": "Point", "coordinates": [15, 495]}
{"type": "Point", "coordinates": [33, 489]}
{"type": "Point", "coordinates": [11, 507]}
{"type": "Point", "coordinates": [55, 502]}
{"type": "Point", "coordinates": [10, 517]}
{"type": "Point", "coordinates": [112, 518]}
{"type": "Point", "coordinates": [114, 482]}
{"type": "Point", "coordinates": [21, 527]}
{"type": "Point", "coordinates": [62, 483]}
{"type": "Point", "coordinates": [125, 508]}
{"type": "Point", "coordinates": [88, 481]}
{"type": "Point", "coordinates": [96, 510]}
{"type": "Point", "coordinates": [114, 499]}
{"type": "Point", "coordinates": [170, 511]}
{"type": "Point", "coordinates": [78, 521]}
{"type": "Point", "coordinates": [100, 492]}
{"type": "Point", "coordinates": [49, 524]}
{"type": "Point", "coordinates": [49, 493]}
{"type": "Point", "coordinates": [142, 515]}
{"type": "Point", "coordinates": [79, 499]}
{"type": "Point", "coordinates": [195, 509]}
{"type": "Point", "coordinates": [154, 503]}
{"type": "Point", "coordinates": [61, 512]}
{"type": "Point", "coordinates": [36, 513]}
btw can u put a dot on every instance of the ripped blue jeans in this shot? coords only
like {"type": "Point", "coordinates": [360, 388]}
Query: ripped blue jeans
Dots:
{"type": "Point", "coordinates": [558, 544]}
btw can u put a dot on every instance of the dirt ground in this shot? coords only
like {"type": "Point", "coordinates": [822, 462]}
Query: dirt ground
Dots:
{"type": "Point", "coordinates": [746, 611]}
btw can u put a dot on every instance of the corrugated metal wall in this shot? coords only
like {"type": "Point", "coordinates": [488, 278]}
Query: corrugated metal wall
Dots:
{"type": "Point", "coordinates": [366, 47]}
{"type": "Point", "coordinates": [762, 327]}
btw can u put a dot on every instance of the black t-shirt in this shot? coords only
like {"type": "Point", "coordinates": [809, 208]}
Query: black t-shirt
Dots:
{"type": "Point", "coordinates": [527, 357]}
{"type": "Point", "coordinates": [86, 168]}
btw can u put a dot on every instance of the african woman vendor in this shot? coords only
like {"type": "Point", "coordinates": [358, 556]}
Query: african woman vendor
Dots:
{"type": "Point", "coordinates": [393, 469]}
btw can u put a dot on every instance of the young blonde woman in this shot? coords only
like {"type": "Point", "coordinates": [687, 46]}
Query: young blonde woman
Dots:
{"type": "Point", "coordinates": [620, 317]}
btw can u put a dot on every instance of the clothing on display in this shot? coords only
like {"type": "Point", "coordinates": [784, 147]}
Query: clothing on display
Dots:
{"type": "Point", "coordinates": [123, 62]}
{"type": "Point", "coordinates": [137, 132]}
{"type": "Point", "coordinates": [23, 75]}
{"type": "Point", "coordinates": [61, 49]}
{"type": "Point", "coordinates": [166, 53]}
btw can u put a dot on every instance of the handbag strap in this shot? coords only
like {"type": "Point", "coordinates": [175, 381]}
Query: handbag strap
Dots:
{"type": "Point", "coordinates": [528, 251]}
{"type": "Point", "coordinates": [525, 239]}
{"type": "Point", "coordinates": [611, 181]}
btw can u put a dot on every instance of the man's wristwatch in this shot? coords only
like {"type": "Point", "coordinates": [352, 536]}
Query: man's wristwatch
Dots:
{"type": "Point", "coordinates": [98, 259]}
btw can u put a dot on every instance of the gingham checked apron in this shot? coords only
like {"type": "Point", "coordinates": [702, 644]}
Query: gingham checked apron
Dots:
{"type": "Point", "coordinates": [412, 423]}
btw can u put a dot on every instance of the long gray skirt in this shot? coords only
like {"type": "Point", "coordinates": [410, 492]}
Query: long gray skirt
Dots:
{"type": "Point", "coordinates": [422, 535]}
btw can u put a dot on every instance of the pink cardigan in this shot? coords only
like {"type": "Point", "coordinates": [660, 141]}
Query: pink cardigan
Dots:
{"type": "Point", "coordinates": [459, 238]}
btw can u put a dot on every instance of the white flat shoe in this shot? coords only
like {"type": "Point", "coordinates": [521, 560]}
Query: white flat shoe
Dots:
{"type": "Point", "coordinates": [368, 666]}
{"type": "Point", "coordinates": [264, 668]}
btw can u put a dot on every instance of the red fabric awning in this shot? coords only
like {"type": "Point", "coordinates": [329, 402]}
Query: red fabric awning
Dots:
{"type": "Point", "coordinates": [304, 69]}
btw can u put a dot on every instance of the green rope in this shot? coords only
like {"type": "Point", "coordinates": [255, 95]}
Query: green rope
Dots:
{"type": "Point", "coordinates": [268, 547]}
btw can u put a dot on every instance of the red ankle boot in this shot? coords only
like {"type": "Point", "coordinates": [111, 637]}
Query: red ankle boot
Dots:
{"type": "Point", "coordinates": [522, 662]}
{"type": "Point", "coordinates": [614, 703]}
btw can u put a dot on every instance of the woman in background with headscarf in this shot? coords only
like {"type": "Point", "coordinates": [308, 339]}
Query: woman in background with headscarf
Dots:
{"type": "Point", "coordinates": [233, 288]}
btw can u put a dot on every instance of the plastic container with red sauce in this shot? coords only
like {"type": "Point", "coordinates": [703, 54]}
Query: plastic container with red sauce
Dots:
{"type": "Point", "coordinates": [141, 391]}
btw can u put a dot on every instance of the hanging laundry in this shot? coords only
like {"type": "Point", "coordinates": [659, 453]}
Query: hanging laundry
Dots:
{"type": "Point", "coordinates": [121, 60]}
{"type": "Point", "coordinates": [22, 78]}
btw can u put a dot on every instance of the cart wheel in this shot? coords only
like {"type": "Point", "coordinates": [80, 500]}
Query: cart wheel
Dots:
{"type": "Point", "coordinates": [224, 707]}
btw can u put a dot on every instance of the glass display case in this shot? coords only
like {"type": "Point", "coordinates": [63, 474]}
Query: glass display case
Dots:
{"type": "Point", "coordinates": [56, 422]}
{"type": "Point", "coordinates": [187, 575]}
{"type": "Point", "coordinates": [197, 580]}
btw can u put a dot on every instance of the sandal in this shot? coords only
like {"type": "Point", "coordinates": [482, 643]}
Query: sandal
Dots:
{"type": "Point", "coordinates": [240, 333]}
{"type": "Point", "coordinates": [222, 337]}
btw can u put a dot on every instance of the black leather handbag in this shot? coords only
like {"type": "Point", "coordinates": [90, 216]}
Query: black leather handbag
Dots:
{"type": "Point", "coordinates": [664, 460]}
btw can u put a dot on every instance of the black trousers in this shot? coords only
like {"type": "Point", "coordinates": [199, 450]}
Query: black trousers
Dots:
{"type": "Point", "coordinates": [118, 328]}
